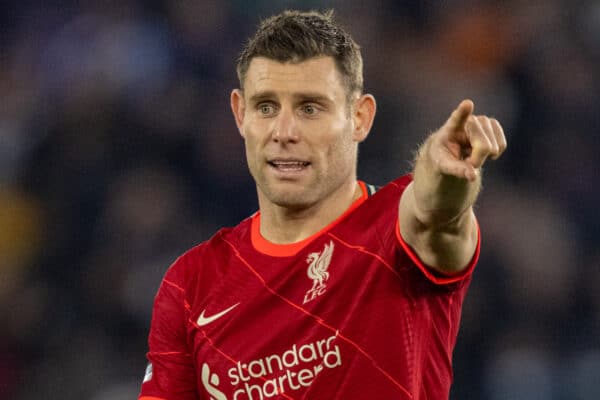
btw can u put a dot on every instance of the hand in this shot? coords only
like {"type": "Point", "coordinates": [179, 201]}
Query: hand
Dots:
{"type": "Point", "coordinates": [461, 146]}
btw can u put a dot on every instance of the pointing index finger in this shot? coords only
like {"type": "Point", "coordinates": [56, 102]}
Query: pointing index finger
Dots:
{"type": "Point", "coordinates": [461, 114]}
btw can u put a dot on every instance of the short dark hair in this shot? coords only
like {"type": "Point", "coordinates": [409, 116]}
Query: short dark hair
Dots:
{"type": "Point", "coordinates": [295, 36]}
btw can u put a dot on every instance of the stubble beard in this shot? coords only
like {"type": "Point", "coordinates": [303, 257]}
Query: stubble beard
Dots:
{"type": "Point", "coordinates": [304, 195]}
{"type": "Point", "coordinates": [300, 198]}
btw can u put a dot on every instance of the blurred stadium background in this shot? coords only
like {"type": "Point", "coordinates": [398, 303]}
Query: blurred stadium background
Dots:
{"type": "Point", "coordinates": [118, 152]}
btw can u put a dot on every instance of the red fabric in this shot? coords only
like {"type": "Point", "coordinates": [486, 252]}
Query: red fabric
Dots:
{"type": "Point", "coordinates": [376, 326]}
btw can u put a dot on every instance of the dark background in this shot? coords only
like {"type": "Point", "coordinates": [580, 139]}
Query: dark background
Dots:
{"type": "Point", "coordinates": [118, 152]}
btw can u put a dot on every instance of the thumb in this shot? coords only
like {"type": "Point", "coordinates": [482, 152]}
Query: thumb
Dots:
{"type": "Point", "coordinates": [460, 115]}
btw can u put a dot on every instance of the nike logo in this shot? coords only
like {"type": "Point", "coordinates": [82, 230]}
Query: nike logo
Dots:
{"type": "Point", "coordinates": [202, 320]}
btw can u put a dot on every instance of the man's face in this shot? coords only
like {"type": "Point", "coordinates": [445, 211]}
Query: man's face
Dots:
{"type": "Point", "coordinates": [301, 144]}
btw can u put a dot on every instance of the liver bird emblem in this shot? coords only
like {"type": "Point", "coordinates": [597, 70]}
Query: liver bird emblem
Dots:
{"type": "Point", "coordinates": [318, 263]}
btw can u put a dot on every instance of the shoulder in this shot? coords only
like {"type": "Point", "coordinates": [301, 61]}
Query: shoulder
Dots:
{"type": "Point", "coordinates": [381, 206]}
{"type": "Point", "coordinates": [372, 224]}
{"type": "Point", "coordinates": [376, 227]}
{"type": "Point", "coordinates": [391, 191]}
{"type": "Point", "coordinates": [397, 186]}
{"type": "Point", "coordinates": [207, 255]}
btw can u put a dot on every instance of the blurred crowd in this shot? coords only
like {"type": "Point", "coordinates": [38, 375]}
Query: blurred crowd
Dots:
{"type": "Point", "coordinates": [118, 152]}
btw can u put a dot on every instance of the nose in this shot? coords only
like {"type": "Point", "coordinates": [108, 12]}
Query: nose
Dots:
{"type": "Point", "coordinates": [286, 128]}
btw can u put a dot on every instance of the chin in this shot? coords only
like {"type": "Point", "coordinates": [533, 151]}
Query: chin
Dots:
{"type": "Point", "coordinates": [296, 198]}
{"type": "Point", "coordinates": [290, 200]}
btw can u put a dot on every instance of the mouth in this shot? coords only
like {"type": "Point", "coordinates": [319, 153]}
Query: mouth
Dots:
{"type": "Point", "coordinates": [288, 165]}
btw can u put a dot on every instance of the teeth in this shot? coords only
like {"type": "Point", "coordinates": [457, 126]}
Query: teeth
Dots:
{"type": "Point", "coordinates": [290, 165]}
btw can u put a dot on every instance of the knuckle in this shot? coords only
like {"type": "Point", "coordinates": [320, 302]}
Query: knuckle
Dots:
{"type": "Point", "coordinates": [486, 146]}
{"type": "Point", "coordinates": [497, 125]}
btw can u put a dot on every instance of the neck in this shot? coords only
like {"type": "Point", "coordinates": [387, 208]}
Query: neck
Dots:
{"type": "Point", "coordinates": [283, 225]}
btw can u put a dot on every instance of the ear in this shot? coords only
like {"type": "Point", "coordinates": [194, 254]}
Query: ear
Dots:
{"type": "Point", "coordinates": [238, 107]}
{"type": "Point", "coordinates": [363, 114]}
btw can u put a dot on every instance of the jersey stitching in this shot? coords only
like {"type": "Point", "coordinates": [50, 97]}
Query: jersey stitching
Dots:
{"type": "Point", "coordinates": [174, 285]}
{"type": "Point", "coordinates": [187, 306]}
{"type": "Point", "coordinates": [320, 321]}
{"type": "Point", "coordinates": [448, 311]}
{"type": "Point", "coordinates": [169, 353]}
{"type": "Point", "coordinates": [409, 347]}
{"type": "Point", "coordinates": [363, 250]}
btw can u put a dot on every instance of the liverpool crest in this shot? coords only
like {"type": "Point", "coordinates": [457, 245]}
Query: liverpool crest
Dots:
{"type": "Point", "coordinates": [318, 263]}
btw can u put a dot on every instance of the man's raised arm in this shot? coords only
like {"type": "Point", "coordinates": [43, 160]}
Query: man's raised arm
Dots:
{"type": "Point", "coordinates": [436, 210]}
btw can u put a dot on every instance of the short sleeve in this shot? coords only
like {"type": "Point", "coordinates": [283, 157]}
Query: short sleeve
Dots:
{"type": "Point", "coordinates": [437, 277]}
{"type": "Point", "coordinates": [170, 374]}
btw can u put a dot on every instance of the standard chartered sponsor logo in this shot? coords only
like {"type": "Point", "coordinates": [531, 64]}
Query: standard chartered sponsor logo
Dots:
{"type": "Point", "coordinates": [288, 371]}
{"type": "Point", "coordinates": [210, 382]}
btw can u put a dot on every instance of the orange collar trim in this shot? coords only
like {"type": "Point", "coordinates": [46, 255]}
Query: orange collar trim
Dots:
{"type": "Point", "coordinates": [290, 249]}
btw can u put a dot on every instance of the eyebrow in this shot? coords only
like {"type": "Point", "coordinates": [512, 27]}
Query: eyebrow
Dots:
{"type": "Point", "coordinates": [303, 96]}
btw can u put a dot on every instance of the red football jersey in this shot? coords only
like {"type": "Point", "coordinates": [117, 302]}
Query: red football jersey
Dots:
{"type": "Point", "coordinates": [349, 313]}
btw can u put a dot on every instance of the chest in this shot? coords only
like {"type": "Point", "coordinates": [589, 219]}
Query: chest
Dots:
{"type": "Point", "coordinates": [274, 326]}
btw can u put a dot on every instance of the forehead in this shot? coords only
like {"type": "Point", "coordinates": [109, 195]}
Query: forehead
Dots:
{"type": "Point", "coordinates": [318, 74]}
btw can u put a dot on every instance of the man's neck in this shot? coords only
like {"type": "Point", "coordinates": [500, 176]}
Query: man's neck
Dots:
{"type": "Point", "coordinates": [283, 225]}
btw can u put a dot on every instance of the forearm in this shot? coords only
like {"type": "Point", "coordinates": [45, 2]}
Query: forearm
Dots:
{"type": "Point", "coordinates": [436, 210]}
{"type": "Point", "coordinates": [441, 200]}
{"type": "Point", "coordinates": [436, 214]}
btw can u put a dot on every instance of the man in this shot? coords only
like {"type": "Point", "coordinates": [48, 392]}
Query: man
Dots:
{"type": "Point", "coordinates": [333, 289]}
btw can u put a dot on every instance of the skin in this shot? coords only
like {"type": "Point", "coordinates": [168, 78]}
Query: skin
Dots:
{"type": "Point", "coordinates": [298, 111]}
{"type": "Point", "coordinates": [436, 209]}
{"type": "Point", "coordinates": [301, 140]}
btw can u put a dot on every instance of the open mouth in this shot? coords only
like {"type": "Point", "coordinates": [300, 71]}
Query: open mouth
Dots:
{"type": "Point", "coordinates": [289, 165]}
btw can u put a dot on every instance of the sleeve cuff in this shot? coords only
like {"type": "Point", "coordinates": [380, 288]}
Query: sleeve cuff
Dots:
{"type": "Point", "coordinates": [432, 274]}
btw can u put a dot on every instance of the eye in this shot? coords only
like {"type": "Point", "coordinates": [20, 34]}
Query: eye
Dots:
{"type": "Point", "coordinates": [266, 109]}
{"type": "Point", "coordinates": [309, 109]}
